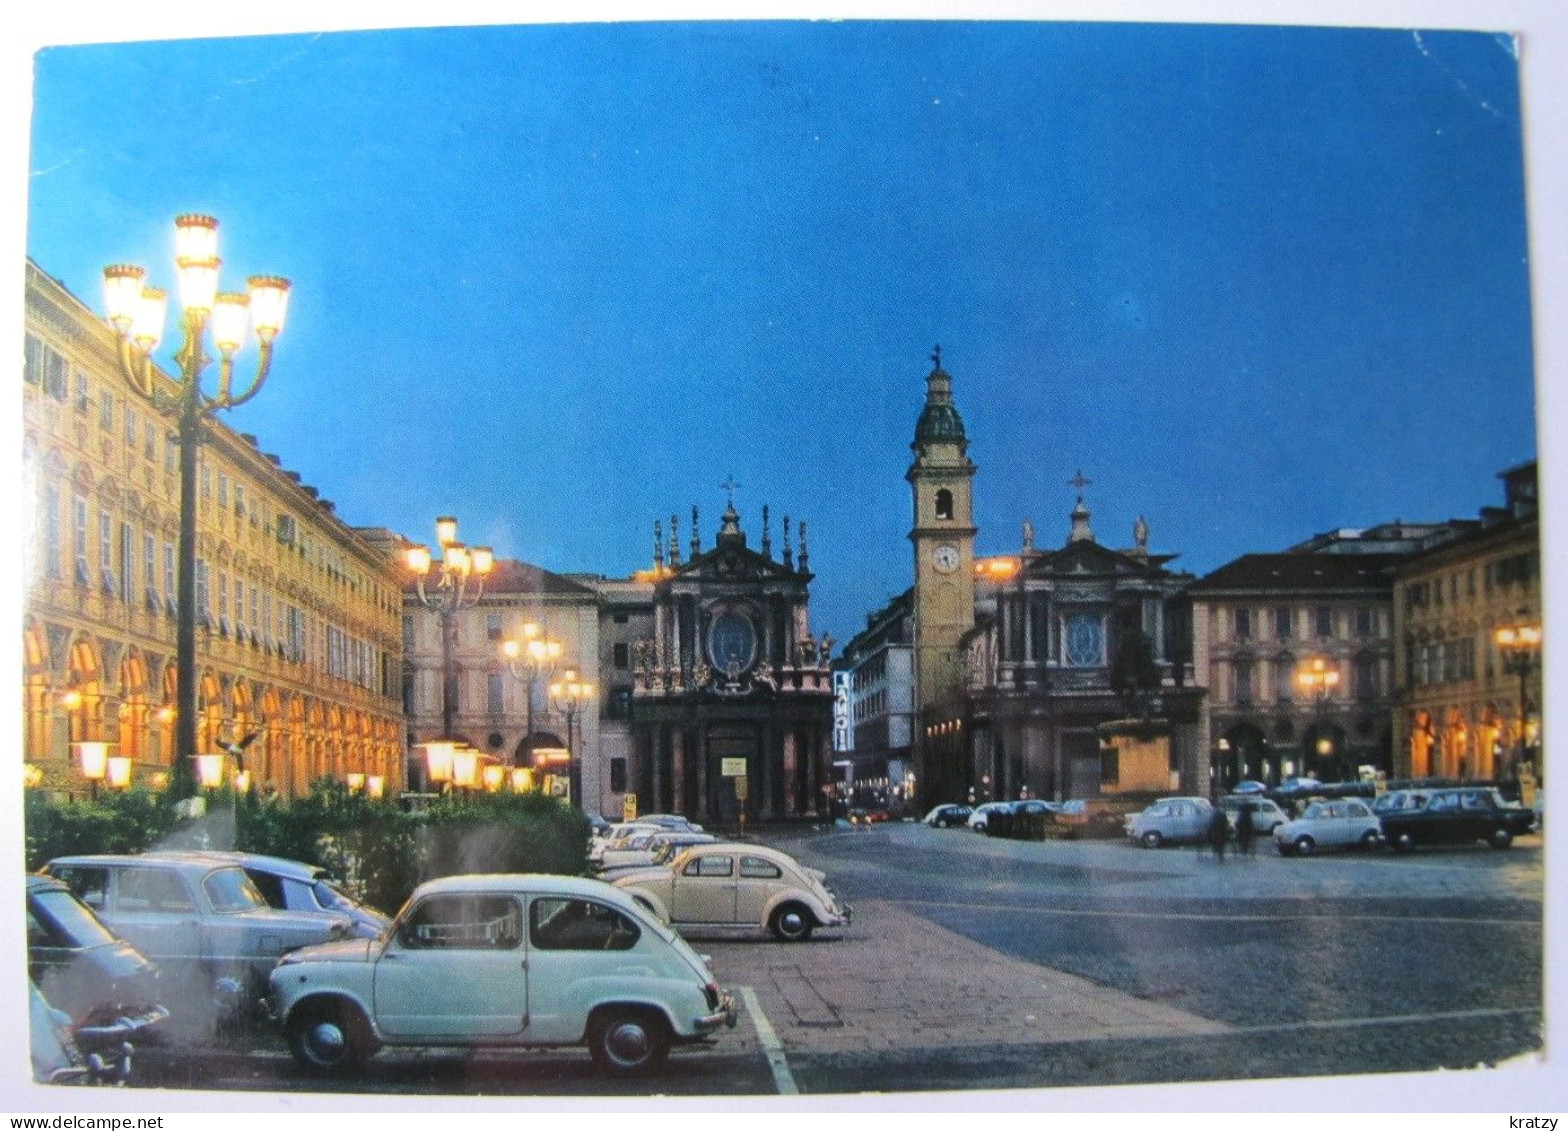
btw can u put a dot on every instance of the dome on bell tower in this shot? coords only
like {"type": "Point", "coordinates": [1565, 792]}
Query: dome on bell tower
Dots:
{"type": "Point", "coordinates": [939, 421]}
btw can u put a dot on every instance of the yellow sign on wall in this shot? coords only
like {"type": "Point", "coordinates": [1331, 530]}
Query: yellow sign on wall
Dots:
{"type": "Point", "coordinates": [732, 767]}
{"type": "Point", "coordinates": [629, 807]}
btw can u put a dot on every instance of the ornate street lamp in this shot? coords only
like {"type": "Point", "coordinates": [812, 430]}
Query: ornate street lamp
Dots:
{"type": "Point", "coordinates": [528, 660]}
{"type": "Point", "coordinates": [458, 586]}
{"type": "Point", "coordinates": [138, 312]}
{"type": "Point", "coordinates": [1520, 648]}
{"type": "Point", "coordinates": [568, 696]}
{"type": "Point", "coordinates": [438, 763]}
{"type": "Point", "coordinates": [1318, 678]}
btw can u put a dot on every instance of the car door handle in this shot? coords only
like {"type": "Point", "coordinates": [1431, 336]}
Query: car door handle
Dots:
{"type": "Point", "coordinates": [524, 964]}
{"type": "Point", "coordinates": [389, 957]}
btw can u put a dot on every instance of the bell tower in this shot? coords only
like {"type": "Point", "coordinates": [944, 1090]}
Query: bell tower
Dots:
{"type": "Point", "coordinates": [944, 539]}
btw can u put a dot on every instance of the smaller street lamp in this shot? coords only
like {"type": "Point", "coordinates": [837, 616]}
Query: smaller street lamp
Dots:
{"type": "Point", "coordinates": [493, 775]}
{"type": "Point", "coordinates": [438, 763]}
{"type": "Point", "coordinates": [568, 696]}
{"type": "Point", "coordinates": [1318, 678]}
{"type": "Point", "coordinates": [355, 782]}
{"type": "Point", "coordinates": [92, 758]}
{"type": "Point", "coordinates": [459, 566]}
{"type": "Point", "coordinates": [465, 767]}
{"type": "Point", "coordinates": [375, 786]}
{"type": "Point", "coordinates": [209, 770]}
{"type": "Point", "coordinates": [528, 660]}
{"type": "Point", "coordinates": [118, 771]}
{"type": "Point", "coordinates": [1519, 646]}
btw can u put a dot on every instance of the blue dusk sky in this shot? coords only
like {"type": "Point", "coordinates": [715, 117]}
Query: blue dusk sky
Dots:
{"type": "Point", "coordinates": [1256, 283]}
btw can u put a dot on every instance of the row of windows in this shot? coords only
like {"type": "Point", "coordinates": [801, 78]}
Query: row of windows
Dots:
{"type": "Point", "coordinates": [871, 706]}
{"type": "Point", "coordinates": [146, 432]}
{"type": "Point", "coordinates": [115, 557]}
{"type": "Point", "coordinates": [1443, 661]}
{"type": "Point", "coordinates": [1517, 569]}
{"type": "Point", "coordinates": [1287, 623]}
{"type": "Point", "coordinates": [1364, 684]}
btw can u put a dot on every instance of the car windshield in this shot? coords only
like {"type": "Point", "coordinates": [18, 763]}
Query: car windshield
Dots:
{"type": "Point", "coordinates": [1315, 812]}
{"type": "Point", "coordinates": [230, 890]}
{"type": "Point", "coordinates": [75, 922]}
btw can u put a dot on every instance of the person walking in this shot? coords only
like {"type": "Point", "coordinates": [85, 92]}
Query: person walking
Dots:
{"type": "Point", "coordinates": [1219, 833]}
{"type": "Point", "coordinates": [1245, 830]}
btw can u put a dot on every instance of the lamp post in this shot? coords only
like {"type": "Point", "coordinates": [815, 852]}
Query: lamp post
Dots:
{"type": "Point", "coordinates": [527, 660]}
{"type": "Point", "coordinates": [567, 696]}
{"type": "Point", "coordinates": [1520, 647]}
{"type": "Point", "coordinates": [138, 312]}
{"type": "Point", "coordinates": [450, 595]}
{"type": "Point", "coordinates": [92, 758]}
{"type": "Point", "coordinates": [1318, 679]}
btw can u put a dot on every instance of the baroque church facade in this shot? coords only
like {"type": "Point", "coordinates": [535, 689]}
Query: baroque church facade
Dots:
{"type": "Point", "coordinates": [1059, 673]}
{"type": "Point", "coordinates": [730, 711]}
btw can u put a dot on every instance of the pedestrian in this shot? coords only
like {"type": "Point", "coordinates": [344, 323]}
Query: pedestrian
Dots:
{"type": "Point", "coordinates": [1244, 830]}
{"type": "Point", "coordinates": [1219, 833]}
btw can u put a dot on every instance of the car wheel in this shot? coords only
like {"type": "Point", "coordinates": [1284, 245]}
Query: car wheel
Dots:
{"type": "Point", "coordinates": [330, 1037]}
{"type": "Point", "coordinates": [1500, 838]}
{"type": "Point", "coordinates": [1152, 839]}
{"type": "Point", "coordinates": [1304, 846]}
{"type": "Point", "coordinates": [1369, 840]}
{"type": "Point", "coordinates": [1403, 842]}
{"type": "Point", "coordinates": [791, 923]}
{"type": "Point", "coordinates": [629, 1042]}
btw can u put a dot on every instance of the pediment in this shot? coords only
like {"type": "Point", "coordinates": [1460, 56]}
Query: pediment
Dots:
{"type": "Point", "coordinates": [1082, 559]}
{"type": "Point", "coordinates": [732, 563]}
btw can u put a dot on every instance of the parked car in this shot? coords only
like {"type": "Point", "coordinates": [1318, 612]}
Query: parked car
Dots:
{"type": "Point", "coordinates": [670, 821]}
{"type": "Point", "coordinates": [1246, 787]}
{"type": "Point", "coordinates": [1171, 820]}
{"type": "Point", "coordinates": [202, 921]}
{"type": "Point", "coordinates": [289, 885]}
{"type": "Point", "coordinates": [1457, 816]}
{"type": "Point", "coordinates": [1266, 815]}
{"type": "Point", "coordinates": [946, 816]}
{"type": "Point", "coordinates": [1396, 799]}
{"type": "Point", "coordinates": [738, 885]}
{"type": "Point", "coordinates": [641, 851]}
{"type": "Point", "coordinates": [520, 960]}
{"type": "Point", "coordinates": [982, 814]}
{"type": "Point", "coordinates": [1329, 824]}
{"type": "Point", "coordinates": [1090, 817]}
{"type": "Point", "coordinates": [97, 980]}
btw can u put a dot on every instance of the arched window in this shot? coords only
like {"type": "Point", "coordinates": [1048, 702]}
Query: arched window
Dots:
{"type": "Point", "coordinates": [944, 503]}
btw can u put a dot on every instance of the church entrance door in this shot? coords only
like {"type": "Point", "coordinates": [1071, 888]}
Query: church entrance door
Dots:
{"type": "Point", "coordinates": [733, 744]}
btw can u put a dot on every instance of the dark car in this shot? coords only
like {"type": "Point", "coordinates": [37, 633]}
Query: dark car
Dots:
{"type": "Point", "coordinates": [100, 981]}
{"type": "Point", "coordinates": [948, 816]}
{"type": "Point", "coordinates": [1456, 816]}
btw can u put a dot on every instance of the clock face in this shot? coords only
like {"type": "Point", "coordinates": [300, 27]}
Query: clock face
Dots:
{"type": "Point", "coordinates": [732, 642]}
{"type": "Point", "coordinates": [945, 558]}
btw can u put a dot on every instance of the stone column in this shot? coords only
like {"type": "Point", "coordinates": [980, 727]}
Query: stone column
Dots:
{"type": "Point", "coordinates": [677, 768]}
{"type": "Point", "coordinates": [788, 763]}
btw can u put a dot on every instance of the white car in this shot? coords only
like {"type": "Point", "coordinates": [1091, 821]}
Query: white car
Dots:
{"type": "Point", "coordinates": [982, 813]}
{"type": "Point", "coordinates": [503, 960]}
{"type": "Point", "coordinates": [737, 885]}
{"type": "Point", "coordinates": [1329, 824]}
{"type": "Point", "coordinates": [641, 851]}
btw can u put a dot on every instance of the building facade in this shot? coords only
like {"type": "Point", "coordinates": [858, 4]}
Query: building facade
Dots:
{"type": "Point", "coordinates": [1261, 623]}
{"type": "Point", "coordinates": [500, 706]}
{"type": "Point", "coordinates": [731, 694]}
{"type": "Point", "coordinates": [1461, 712]}
{"type": "Point", "coordinates": [880, 665]}
{"type": "Point", "coordinates": [297, 638]}
{"type": "Point", "coordinates": [1079, 676]}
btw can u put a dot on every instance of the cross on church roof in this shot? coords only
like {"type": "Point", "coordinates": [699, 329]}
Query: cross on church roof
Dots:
{"type": "Point", "coordinates": [936, 356]}
{"type": "Point", "coordinates": [1079, 481]}
{"type": "Point", "coordinates": [729, 486]}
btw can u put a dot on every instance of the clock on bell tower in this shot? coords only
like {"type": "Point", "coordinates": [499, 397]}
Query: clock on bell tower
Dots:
{"type": "Point", "coordinates": [943, 536]}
